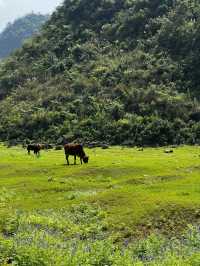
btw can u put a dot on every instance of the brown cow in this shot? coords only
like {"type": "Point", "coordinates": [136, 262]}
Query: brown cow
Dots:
{"type": "Point", "coordinates": [35, 148]}
{"type": "Point", "coordinates": [75, 150]}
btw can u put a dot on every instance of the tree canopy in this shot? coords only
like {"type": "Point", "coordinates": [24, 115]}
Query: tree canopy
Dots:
{"type": "Point", "coordinates": [121, 71]}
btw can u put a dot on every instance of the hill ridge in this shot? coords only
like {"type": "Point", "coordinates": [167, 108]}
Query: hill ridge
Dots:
{"type": "Point", "coordinates": [17, 32]}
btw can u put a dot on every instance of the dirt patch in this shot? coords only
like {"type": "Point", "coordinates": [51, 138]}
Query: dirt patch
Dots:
{"type": "Point", "coordinates": [135, 181]}
{"type": "Point", "coordinates": [113, 172]}
{"type": "Point", "coordinates": [151, 180]}
{"type": "Point", "coordinates": [168, 178]}
{"type": "Point", "coordinates": [169, 220]}
{"type": "Point", "coordinates": [52, 190]}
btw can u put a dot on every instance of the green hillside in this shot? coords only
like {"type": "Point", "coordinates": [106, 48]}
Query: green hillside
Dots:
{"type": "Point", "coordinates": [15, 33]}
{"type": "Point", "coordinates": [120, 71]}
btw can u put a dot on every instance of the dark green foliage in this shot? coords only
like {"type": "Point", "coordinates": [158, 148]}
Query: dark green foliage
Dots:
{"type": "Point", "coordinates": [116, 71]}
{"type": "Point", "coordinates": [14, 34]}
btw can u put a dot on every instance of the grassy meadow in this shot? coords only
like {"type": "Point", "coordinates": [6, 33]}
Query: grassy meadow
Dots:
{"type": "Point", "coordinates": [126, 207]}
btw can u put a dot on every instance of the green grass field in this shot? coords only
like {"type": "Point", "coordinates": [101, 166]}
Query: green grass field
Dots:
{"type": "Point", "coordinates": [122, 196]}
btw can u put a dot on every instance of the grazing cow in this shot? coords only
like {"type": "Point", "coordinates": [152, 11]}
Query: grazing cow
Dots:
{"type": "Point", "coordinates": [168, 151]}
{"type": "Point", "coordinates": [35, 148]}
{"type": "Point", "coordinates": [75, 150]}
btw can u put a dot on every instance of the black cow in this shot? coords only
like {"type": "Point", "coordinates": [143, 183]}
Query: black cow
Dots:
{"type": "Point", "coordinates": [75, 150]}
{"type": "Point", "coordinates": [35, 148]}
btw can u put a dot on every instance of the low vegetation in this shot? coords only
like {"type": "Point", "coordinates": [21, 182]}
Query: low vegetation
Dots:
{"type": "Point", "coordinates": [126, 207]}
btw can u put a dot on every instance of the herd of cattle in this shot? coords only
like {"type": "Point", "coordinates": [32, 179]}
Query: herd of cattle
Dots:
{"type": "Point", "coordinates": [75, 150]}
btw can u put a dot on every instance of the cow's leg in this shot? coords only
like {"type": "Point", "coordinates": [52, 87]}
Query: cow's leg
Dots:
{"type": "Point", "coordinates": [75, 159]}
{"type": "Point", "coordinates": [81, 160]}
{"type": "Point", "coordinates": [67, 158]}
{"type": "Point", "coordinates": [28, 151]}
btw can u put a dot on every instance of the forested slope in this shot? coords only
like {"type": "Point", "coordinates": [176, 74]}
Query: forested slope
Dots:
{"type": "Point", "coordinates": [15, 33]}
{"type": "Point", "coordinates": [121, 71]}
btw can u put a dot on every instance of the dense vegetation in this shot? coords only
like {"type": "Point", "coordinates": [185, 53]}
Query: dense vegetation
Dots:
{"type": "Point", "coordinates": [125, 208]}
{"type": "Point", "coordinates": [15, 33]}
{"type": "Point", "coordinates": [120, 71]}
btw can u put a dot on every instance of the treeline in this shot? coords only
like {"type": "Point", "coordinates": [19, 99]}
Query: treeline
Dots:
{"type": "Point", "coordinates": [124, 72]}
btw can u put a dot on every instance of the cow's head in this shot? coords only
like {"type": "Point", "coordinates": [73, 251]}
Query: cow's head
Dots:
{"type": "Point", "coordinates": [85, 159]}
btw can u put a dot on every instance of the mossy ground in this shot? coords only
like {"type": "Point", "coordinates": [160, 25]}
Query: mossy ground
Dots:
{"type": "Point", "coordinates": [131, 193]}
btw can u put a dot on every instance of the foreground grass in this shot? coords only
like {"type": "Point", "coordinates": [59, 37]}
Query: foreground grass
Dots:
{"type": "Point", "coordinates": [84, 215]}
{"type": "Point", "coordinates": [79, 236]}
